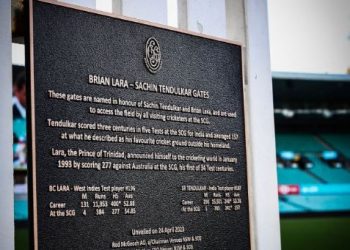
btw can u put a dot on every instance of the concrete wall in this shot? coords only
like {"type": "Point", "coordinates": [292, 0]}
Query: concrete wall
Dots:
{"type": "Point", "coordinates": [266, 230]}
{"type": "Point", "coordinates": [150, 10]}
{"type": "Point", "coordinates": [6, 165]}
{"type": "Point", "coordinates": [310, 36]}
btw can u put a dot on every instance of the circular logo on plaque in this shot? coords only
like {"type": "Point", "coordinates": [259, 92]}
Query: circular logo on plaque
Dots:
{"type": "Point", "coordinates": [153, 59]}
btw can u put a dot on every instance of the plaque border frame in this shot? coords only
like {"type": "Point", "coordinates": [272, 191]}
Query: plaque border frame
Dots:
{"type": "Point", "coordinates": [29, 52]}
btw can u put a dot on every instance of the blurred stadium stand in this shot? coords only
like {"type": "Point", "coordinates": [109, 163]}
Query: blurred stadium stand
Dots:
{"type": "Point", "coordinates": [312, 117]}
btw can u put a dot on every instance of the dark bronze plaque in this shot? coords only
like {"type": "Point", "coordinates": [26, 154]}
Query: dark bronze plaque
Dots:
{"type": "Point", "coordinates": [138, 135]}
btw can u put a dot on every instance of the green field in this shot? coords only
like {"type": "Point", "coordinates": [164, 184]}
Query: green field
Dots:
{"type": "Point", "coordinates": [315, 233]}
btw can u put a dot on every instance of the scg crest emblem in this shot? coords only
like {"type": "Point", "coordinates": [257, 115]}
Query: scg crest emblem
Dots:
{"type": "Point", "coordinates": [153, 58]}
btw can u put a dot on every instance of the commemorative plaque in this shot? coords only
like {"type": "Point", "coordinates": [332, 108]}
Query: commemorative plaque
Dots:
{"type": "Point", "coordinates": [137, 135]}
